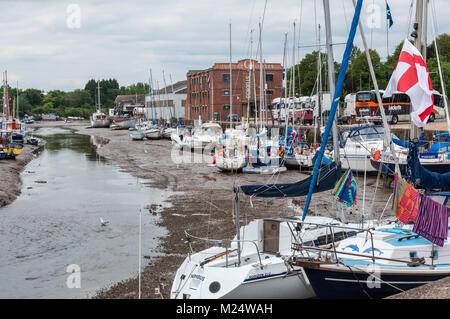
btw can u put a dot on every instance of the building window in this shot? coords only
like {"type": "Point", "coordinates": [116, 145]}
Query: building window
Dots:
{"type": "Point", "coordinates": [269, 77]}
{"type": "Point", "coordinates": [226, 107]}
{"type": "Point", "coordinates": [226, 92]}
{"type": "Point", "coordinates": [226, 77]}
{"type": "Point", "coordinates": [269, 92]}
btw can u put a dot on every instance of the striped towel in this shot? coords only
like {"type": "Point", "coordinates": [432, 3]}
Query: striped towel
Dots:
{"type": "Point", "coordinates": [432, 221]}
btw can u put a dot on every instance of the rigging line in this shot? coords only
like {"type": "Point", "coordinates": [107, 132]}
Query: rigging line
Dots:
{"type": "Point", "coordinates": [408, 28]}
{"type": "Point", "coordinates": [345, 17]}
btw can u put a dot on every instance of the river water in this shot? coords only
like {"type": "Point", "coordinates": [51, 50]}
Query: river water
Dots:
{"type": "Point", "coordinates": [55, 223]}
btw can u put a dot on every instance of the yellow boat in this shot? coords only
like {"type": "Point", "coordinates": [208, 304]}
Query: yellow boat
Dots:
{"type": "Point", "coordinates": [12, 150]}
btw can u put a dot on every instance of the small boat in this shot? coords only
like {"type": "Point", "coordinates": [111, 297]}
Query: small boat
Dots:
{"type": "Point", "coordinates": [123, 123]}
{"type": "Point", "coordinates": [32, 141]}
{"type": "Point", "coordinates": [358, 144]}
{"type": "Point", "coordinates": [137, 135]}
{"type": "Point", "coordinates": [231, 154]}
{"type": "Point", "coordinates": [258, 271]}
{"type": "Point", "coordinates": [99, 119]}
{"type": "Point", "coordinates": [377, 263]}
{"type": "Point", "coordinates": [153, 133]}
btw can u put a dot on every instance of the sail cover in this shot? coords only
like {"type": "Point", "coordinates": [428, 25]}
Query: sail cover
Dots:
{"type": "Point", "coordinates": [327, 178]}
{"type": "Point", "coordinates": [421, 176]}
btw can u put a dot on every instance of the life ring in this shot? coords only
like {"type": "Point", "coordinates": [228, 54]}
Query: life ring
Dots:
{"type": "Point", "coordinates": [221, 153]}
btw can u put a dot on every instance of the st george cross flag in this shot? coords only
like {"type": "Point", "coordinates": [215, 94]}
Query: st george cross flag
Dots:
{"type": "Point", "coordinates": [411, 77]}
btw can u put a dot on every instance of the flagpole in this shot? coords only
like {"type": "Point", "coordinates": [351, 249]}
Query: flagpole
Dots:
{"type": "Point", "coordinates": [387, 33]}
{"type": "Point", "coordinates": [418, 44]}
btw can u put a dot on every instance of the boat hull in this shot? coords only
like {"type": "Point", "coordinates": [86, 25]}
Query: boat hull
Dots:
{"type": "Point", "coordinates": [389, 168]}
{"type": "Point", "coordinates": [352, 284]}
{"type": "Point", "coordinates": [153, 135]}
{"type": "Point", "coordinates": [100, 123]}
{"type": "Point", "coordinates": [124, 124]}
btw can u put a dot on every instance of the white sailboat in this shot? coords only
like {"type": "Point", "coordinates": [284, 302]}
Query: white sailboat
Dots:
{"type": "Point", "coordinates": [98, 118]}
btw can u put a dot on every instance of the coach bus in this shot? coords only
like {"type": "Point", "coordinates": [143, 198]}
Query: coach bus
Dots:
{"type": "Point", "coordinates": [397, 107]}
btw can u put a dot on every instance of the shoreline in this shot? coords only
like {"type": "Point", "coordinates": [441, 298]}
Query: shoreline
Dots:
{"type": "Point", "coordinates": [10, 171]}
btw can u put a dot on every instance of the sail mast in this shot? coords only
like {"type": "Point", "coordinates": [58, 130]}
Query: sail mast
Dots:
{"type": "Point", "coordinates": [418, 44]}
{"type": "Point", "coordinates": [337, 93]}
{"type": "Point", "coordinates": [231, 85]}
{"type": "Point", "coordinates": [331, 74]}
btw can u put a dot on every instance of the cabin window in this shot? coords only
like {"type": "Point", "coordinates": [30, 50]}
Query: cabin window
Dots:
{"type": "Point", "coordinates": [413, 254]}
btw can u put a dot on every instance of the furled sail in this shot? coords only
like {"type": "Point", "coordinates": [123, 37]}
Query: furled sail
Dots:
{"type": "Point", "coordinates": [327, 178]}
{"type": "Point", "coordinates": [421, 176]}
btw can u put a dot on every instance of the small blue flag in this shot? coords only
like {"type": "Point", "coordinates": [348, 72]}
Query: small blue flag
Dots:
{"type": "Point", "coordinates": [388, 15]}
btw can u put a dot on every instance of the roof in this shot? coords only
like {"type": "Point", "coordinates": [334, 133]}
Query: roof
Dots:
{"type": "Point", "coordinates": [179, 87]}
{"type": "Point", "coordinates": [130, 99]}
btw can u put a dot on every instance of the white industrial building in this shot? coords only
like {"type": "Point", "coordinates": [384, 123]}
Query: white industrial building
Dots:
{"type": "Point", "coordinates": [168, 102]}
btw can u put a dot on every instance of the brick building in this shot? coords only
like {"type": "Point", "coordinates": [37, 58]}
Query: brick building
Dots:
{"type": "Point", "coordinates": [208, 91]}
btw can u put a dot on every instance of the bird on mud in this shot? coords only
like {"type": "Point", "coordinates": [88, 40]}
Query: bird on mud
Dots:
{"type": "Point", "coordinates": [103, 222]}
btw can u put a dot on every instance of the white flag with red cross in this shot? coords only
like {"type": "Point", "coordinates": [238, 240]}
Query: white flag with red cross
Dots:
{"type": "Point", "coordinates": [411, 77]}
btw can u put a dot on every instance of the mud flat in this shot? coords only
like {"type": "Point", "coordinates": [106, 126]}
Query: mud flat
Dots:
{"type": "Point", "coordinates": [439, 289]}
{"type": "Point", "coordinates": [10, 170]}
{"type": "Point", "coordinates": [201, 203]}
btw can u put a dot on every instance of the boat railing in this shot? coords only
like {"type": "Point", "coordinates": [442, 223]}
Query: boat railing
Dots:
{"type": "Point", "coordinates": [299, 246]}
{"type": "Point", "coordinates": [225, 243]}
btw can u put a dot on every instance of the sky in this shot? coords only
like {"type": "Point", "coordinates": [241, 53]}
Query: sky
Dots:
{"type": "Point", "coordinates": [57, 44]}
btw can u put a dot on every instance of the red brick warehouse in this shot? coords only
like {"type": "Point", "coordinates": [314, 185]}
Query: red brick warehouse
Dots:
{"type": "Point", "coordinates": [208, 91]}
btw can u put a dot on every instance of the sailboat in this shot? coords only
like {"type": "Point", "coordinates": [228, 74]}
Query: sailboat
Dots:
{"type": "Point", "coordinates": [98, 118]}
{"type": "Point", "coordinates": [231, 152]}
{"type": "Point", "coordinates": [384, 261]}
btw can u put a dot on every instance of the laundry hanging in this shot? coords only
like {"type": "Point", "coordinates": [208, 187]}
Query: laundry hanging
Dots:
{"type": "Point", "coordinates": [345, 189]}
{"type": "Point", "coordinates": [408, 205]}
{"type": "Point", "coordinates": [432, 221]}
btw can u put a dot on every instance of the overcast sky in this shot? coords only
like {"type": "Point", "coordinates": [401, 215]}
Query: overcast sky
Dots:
{"type": "Point", "coordinates": [44, 44]}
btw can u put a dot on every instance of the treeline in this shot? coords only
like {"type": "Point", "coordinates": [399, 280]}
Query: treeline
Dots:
{"type": "Point", "coordinates": [358, 74]}
{"type": "Point", "coordinates": [80, 102]}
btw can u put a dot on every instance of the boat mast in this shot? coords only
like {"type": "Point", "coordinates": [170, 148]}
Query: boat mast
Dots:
{"type": "Point", "coordinates": [98, 97]}
{"type": "Point", "coordinates": [173, 98]}
{"type": "Point", "coordinates": [331, 74]}
{"type": "Point", "coordinates": [335, 100]}
{"type": "Point", "coordinates": [418, 26]}
{"type": "Point", "coordinates": [261, 84]}
{"type": "Point", "coordinates": [17, 99]}
{"type": "Point", "coordinates": [167, 97]}
{"type": "Point", "coordinates": [231, 85]}
{"type": "Point", "coordinates": [444, 95]}
{"type": "Point", "coordinates": [387, 137]}
{"type": "Point", "coordinates": [250, 77]}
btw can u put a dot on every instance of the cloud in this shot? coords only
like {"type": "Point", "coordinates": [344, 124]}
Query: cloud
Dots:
{"type": "Point", "coordinates": [124, 39]}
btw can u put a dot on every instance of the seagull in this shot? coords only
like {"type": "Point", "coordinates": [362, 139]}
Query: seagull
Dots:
{"type": "Point", "coordinates": [104, 222]}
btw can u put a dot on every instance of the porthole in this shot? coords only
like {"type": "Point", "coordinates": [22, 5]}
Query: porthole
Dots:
{"type": "Point", "coordinates": [214, 287]}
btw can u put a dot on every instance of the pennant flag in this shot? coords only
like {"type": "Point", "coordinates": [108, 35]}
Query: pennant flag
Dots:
{"type": "Point", "coordinates": [345, 189]}
{"type": "Point", "coordinates": [388, 15]}
{"type": "Point", "coordinates": [411, 77]}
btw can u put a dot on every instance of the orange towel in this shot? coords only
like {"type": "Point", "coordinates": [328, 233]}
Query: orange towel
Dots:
{"type": "Point", "coordinates": [408, 205]}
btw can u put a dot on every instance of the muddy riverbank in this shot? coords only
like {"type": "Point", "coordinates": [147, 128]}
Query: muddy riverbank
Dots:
{"type": "Point", "coordinates": [10, 173]}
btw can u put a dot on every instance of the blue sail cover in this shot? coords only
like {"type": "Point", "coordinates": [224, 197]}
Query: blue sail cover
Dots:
{"type": "Point", "coordinates": [421, 176]}
{"type": "Point", "coordinates": [327, 178]}
{"type": "Point", "coordinates": [405, 144]}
